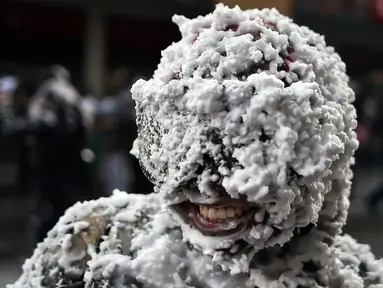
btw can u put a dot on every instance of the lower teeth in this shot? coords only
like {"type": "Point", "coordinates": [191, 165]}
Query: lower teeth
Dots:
{"type": "Point", "coordinates": [218, 219]}
{"type": "Point", "coordinates": [220, 214]}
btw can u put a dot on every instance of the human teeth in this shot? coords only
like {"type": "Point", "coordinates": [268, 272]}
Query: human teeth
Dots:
{"type": "Point", "coordinates": [238, 211]}
{"type": "Point", "coordinates": [212, 214]}
{"type": "Point", "coordinates": [220, 213]}
{"type": "Point", "coordinates": [230, 212]}
{"type": "Point", "coordinates": [204, 211]}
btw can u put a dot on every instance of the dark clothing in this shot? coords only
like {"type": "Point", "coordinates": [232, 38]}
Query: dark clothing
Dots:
{"type": "Point", "coordinates": [374, 199]}
{"type": "Point", "coordinates": [59, 146]}
{"type": "Point", "coordinates": [61, 173]}
{"type": "Point", "coordinates": [57, 195]}
{"type": "Point", "coordinates": [59, 149]}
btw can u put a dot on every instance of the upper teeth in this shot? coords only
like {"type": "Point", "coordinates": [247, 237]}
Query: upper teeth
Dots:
{"type": "Point", "coordinates": [220, 213]}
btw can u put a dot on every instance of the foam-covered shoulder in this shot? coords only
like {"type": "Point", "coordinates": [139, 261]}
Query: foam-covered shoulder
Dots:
{"type": "Point", "coordinates": [359, 259]}
{"type": "Point", "coordinates": [80, 235]}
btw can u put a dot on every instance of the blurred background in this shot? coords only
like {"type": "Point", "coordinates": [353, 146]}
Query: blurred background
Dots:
{"type": "Point", "coordinates": [77, 148]}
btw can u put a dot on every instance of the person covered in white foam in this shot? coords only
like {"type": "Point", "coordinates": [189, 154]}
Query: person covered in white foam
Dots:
{"type": "Point", "coordinates": [247, 131]}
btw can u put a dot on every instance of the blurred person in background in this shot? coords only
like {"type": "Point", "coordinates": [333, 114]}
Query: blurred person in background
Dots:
{"type": "Point", "coordinates": [117, 124]}
{"type": "Point", "coordinates": [58, 124]}
{"type": "Point", "coordinates": [89, 106]}
{"type": "Point", "coordinates": [370, 134]}
{"type": "Point", "coordinates": [369, 103]}
{"type": "Point", "coordinates": [8, 86]}
{"type": "Point", "coordinates": [113, 171]}
{"type": "Point", "coordinates": [14, 102]}
{"type": "Point", "coordinates": [373, 119]}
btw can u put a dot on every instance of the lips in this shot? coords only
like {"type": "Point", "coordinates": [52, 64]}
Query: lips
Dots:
{"type": "Point", "coordinates": [222, 218]}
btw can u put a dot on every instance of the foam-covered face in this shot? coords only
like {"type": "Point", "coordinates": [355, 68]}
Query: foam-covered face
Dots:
{"type": "Point", "coordinates": [246, 128]}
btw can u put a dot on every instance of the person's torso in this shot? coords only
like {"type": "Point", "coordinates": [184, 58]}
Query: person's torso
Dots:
{"type": "Point", "coordinates": [127, 240]}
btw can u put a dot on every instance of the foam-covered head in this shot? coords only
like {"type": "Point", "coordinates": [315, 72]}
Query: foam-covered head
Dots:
{"type": "Point", "coordinates": [246, 128]}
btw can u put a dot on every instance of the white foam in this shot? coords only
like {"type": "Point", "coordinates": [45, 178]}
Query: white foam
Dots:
{"type": "Point", "coordinates": [226, 75]}
{"type": "Point", "coordinates": [300, 176]}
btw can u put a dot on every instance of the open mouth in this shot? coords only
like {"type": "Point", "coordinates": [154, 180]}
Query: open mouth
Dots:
{"type": "Point", "coordinates": [222, 218]}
